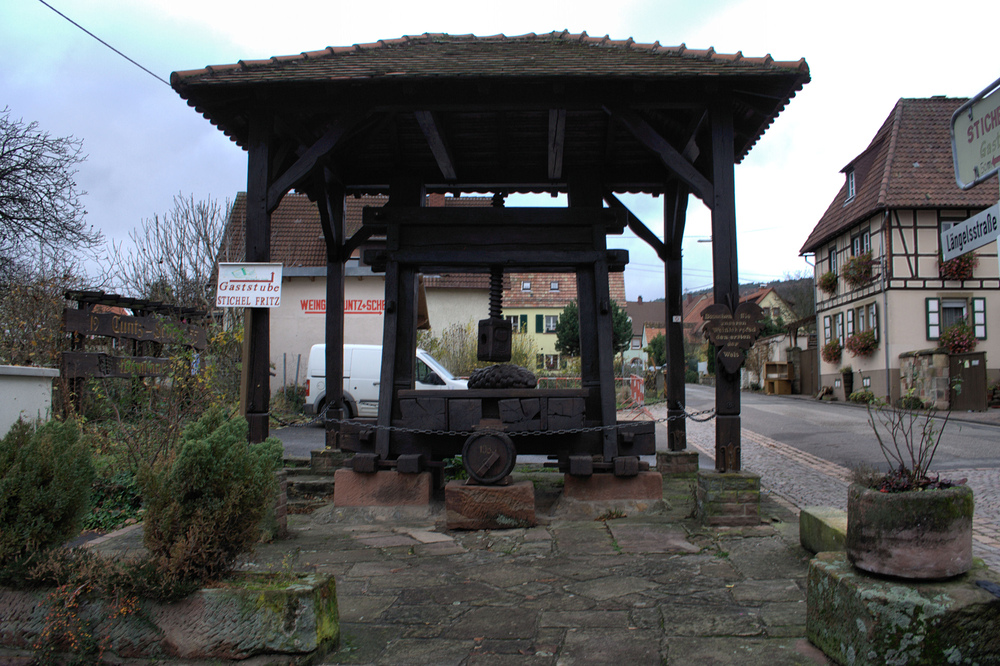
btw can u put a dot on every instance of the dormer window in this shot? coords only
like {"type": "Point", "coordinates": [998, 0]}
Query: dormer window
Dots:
{"type": "Point", "coordinates": [850, 185]}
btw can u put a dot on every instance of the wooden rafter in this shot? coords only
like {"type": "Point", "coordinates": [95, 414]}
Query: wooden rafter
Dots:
{"type": "Point", "coordinates": [436, 140]}
{"type": "Point", "coordinates": [557, 142]}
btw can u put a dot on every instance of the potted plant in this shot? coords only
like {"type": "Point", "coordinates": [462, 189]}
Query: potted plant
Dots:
{"type": "Point", "coordinates": [857, 270]}
{"type": "Point", "coordinates": [959, 338]}
{"type": "Point", "coordinates": [847, 375]}
{"type": "Point", "coordinates": [906, 522]}
{"type": "Point", "coordinates": [958, 268]}
{"type": "Point", "coordinates": [828, 282]}
{"type": "Point", "coordinates": [831, 351]}
{"type": "Point", "coordinates": [862, 344]}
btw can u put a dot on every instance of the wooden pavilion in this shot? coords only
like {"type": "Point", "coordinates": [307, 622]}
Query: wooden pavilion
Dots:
{"type": "Point", "coordinates": [550, 113]}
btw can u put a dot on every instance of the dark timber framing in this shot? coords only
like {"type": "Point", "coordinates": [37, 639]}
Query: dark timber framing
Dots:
{"type": "Point", "coordinates": [553, 113]}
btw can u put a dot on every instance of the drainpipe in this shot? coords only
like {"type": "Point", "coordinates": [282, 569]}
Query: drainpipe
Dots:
{"type": "Point", "coordinates": [885, 303]}
{"type": "Point", "coordinates": [819, 361]}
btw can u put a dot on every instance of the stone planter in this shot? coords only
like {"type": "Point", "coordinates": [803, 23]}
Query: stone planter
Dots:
{"type": "Point", "coordinates": [253, 616]}
{"type": "Point", "coordinates": [915, 534]}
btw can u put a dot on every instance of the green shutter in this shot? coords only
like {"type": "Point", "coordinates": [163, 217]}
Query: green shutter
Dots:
{"type": "Point", "coordinates": [523, 328]}
{"type": "Point", "coordinates": [873, 318]}
{"type": "Point", "coordinates": [933, 309]}
{"type": "Point", "coordinates": [979, 317]}
{"type": "Point", "coordinates": [850, 322]}
{"type": "Point", "coordinates": [827, 329]}
{"type": "Point", "coordinates": [539, 323]}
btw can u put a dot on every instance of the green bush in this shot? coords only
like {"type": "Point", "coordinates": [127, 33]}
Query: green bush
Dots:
{"type": "Point", "coordinates": [863, 397]}
{"type": "Point", "coordinates": [116, 500]}
{"type": "Point", "coordinates": [691, 377]}
{"type": "Point", "coordinates": [205, 506]}
{"type": "Point", "coordinates": [45, 478]}
{"type": "Point", "coordinates": [909, 401]}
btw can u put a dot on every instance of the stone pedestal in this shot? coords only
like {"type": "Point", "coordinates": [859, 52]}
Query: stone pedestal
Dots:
{"type": "Point", "coordinates": [677, 463]}
{"type": "Point", "coordinates": [730, 499]}
{"type": "Point", "coordinates": [822, 528]}
{"type": "Point", "coordinates": [646, 486]}
{"type": "Point", "coordinates": [476, 507]}
{"type": "Point", "coordinates": [857, 618]}
{"type": "Point", "coordinates": [381, 488]}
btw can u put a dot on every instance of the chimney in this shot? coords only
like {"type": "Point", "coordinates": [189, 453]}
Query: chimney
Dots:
{"type": "Point", "coordinates": [640, 300]}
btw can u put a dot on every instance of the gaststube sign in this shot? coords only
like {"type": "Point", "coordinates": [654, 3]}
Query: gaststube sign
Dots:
{"type": "Point", "coordinates": [248, 286]}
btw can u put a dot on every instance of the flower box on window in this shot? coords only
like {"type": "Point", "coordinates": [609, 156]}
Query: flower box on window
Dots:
{"type": "Point", "coordinates": [827, 282]}
{"type": "Point", "coordinates": [831, 351]}
{"type": "Point", "coordinates": [862, 344]}
{"type": "Point", "coordinates": [857, 270]}
{"type": "Point", "coordinates": [959, 268]}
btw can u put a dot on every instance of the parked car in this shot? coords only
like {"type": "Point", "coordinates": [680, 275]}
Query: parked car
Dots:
{"type": "Point", "coordinates": [362, 375]}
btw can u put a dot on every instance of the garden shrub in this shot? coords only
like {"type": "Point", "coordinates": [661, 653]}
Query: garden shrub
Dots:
{"type": "Point", "coordinates": [45, 478]}
{"type": "Point", "coordinates": [204, 507]}
{"type": "Point", "coordinates": [863, 397]}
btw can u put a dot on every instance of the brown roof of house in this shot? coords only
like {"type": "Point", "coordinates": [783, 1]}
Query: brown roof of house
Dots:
{"type": "Point", "coordinates": [907, 165]}
{"type": "Point", "coordinates": [646, 312]}
{"type": "Point", "coordinates": [541, 294]}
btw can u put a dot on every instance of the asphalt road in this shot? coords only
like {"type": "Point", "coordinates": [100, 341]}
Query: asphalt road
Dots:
{"type": "Point", "coordinates": [841, 433]}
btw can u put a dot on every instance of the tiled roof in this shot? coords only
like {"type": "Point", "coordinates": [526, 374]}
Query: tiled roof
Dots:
{"type": "Point", "coordinates": [907, 165]}
{"type": "Point", "coordinates": [447, 56]}
{"type": "Point", "coordinates": [457, 281]}
{"type": "Point", "coordinates": [646, 312]}
{"type": "Point", "coordinates": [296, 235]}
{"type": "Point", "coordinates": [541, 294]}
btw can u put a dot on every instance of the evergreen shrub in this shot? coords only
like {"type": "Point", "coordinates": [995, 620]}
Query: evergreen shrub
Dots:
{"type": "Point", "coordinates": [45, 479]}
{"type": "Point", "coordinates": [204, 507]}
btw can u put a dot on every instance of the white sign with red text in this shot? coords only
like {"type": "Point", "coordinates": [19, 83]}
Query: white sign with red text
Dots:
{"type": "Point", "coordinates": [248, 286]}
{"type": "Point", "coordinates": [352, 306]}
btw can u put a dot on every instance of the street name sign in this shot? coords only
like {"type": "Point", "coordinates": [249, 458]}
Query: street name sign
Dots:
{"type": "Point", "coordinates": [975, 232]}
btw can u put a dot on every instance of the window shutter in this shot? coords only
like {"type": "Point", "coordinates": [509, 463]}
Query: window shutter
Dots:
{"type": "Point", "coordinates": [850, 322]}
{"type": "Point", "coordinates": [873, 318]}
{"type": "Point", "coordinates": [827, 329]}
{"type": "Point", "coordinates": [979, 317]}
{"type": "Point", "coordinates": [933, 307]}
{"type": "Point", "coordinates": [524, 324]}
{"type": "Point", "coordinates": [839, 324]}
{"type": "Point", "coordinates": [539, 323]}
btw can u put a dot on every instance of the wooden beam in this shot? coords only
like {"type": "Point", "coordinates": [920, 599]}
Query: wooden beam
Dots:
{"type": "Point", "coordinates": [256, 378]}
{"type": "Point", "coordinates": [670, 156]}
{"type": "Point", "coordinates": [332, 212]}
{"type": "Point", "coordinates": [557, 142]}
{"type": "Point", "coordinates": [436, 139]}
{"type": "Point", "coordinates": [308, 160]}
{"type": "Point", "coordinates": [635, 224]}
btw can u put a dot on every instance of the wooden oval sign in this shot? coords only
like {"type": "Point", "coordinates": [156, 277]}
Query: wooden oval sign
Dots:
{"type": "Point", "coordinates": [733, 334]}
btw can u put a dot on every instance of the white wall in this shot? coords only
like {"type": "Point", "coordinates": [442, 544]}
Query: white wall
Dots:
{"type": "Point", "coordinates": [456, 306]}
{"type": "Point", "coordinates": [26, 392]}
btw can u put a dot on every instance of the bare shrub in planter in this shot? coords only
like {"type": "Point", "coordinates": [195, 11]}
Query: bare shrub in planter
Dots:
{"type": "Point", "coordinates": [906, 522]}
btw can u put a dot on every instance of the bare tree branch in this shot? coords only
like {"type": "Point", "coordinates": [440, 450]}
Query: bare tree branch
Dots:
{"type": "Point", "coordinates": [40, 204]}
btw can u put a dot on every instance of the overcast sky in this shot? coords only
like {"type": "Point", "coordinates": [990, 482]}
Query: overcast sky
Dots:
{"type": "Point", "coordinates": [145, 145]}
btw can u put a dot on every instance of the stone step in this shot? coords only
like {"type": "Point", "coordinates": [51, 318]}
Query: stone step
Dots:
{"type": "Point", "coordinates": [310, 486]}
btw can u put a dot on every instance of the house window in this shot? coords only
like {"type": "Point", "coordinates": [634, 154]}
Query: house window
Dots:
{"type": "Point", "coordinates": [850, 185]}
{"type": "Point", "coordinates": [861, 243]}
{"type": "Point", "coordinates": [850, 322]}
{"type": "Point", "coordinates": [873, 318]}
{"type": "Point", "coordinates": [518, 323]}
{"type": "Point", "coordinates": [552, 361]}
{"type": "Point", "coordinates": [525, 286]}
{"type": "Point", "coordinates": [838, 324]}
{"type": "Point", "coordinates": [550, 323]}
{"type": "Point", "coordinates": [636, 341]}
{"type": "Point", "coordinates": [827, 329]}
{"type": "Point", "coordinates": [553, 286]}
{"type": "Point", "coordinates": [953, 310]}
{"type": "Point", "coordinates": [832, 256]}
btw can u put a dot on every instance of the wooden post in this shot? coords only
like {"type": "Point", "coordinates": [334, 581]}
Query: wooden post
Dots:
{"type": "Point", "coordinates": [726, 279]}
{"type": "Point", "coordinates": [331, 214]}
{"type": "Point", "coordinates": [674, 212]}
{"type": "Point", "coordinates": [597, 369]}
{"type": "Point", "coordinates": [399, 328]}
{"type": "Point", "coordinates": [258, 249]}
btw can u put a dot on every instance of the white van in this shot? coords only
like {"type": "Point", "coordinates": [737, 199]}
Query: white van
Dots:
{"type": "Point", "coordinates": [362, 375]}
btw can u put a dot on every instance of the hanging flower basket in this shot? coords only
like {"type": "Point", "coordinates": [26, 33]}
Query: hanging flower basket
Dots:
{"type": "Point", "coordinates": [862, 344]}
{"type": "Point", "coordinates": [958, 338]}
{"type": "Point", "coordinates": [831, 351]}
{"type": "Point", "coordinates": [959, 268]}
{"type": "Point", "coordinates": [827, 282]}
{"type": "Point", "coordinates": [857, 270]}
